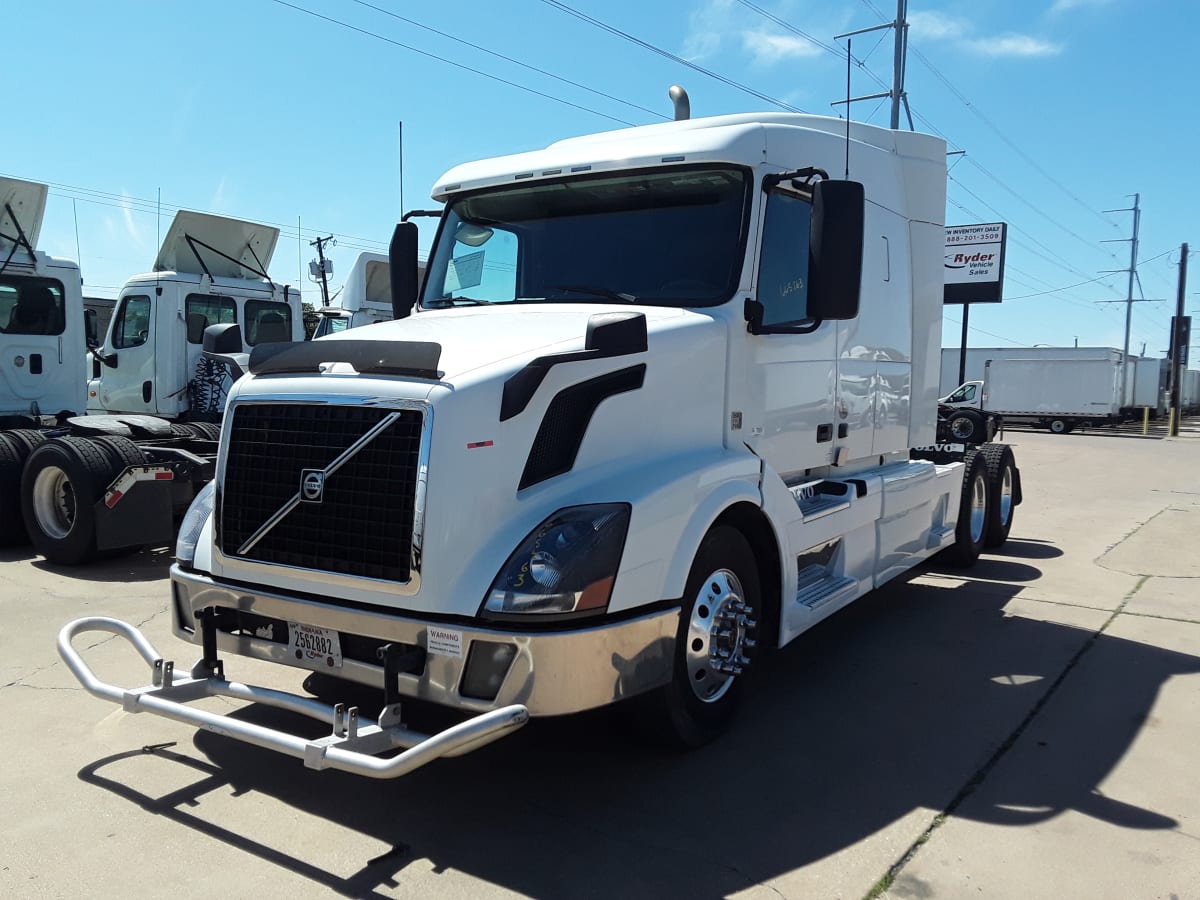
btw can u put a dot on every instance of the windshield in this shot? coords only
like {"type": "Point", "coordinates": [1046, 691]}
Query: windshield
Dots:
{"type": "Point", "coordinates": [672, 237]}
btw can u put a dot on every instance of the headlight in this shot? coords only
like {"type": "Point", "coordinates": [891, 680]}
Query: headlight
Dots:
{"type": "Point", "coordinates": [193, 524]}
{"type": "Point", "coordinates": [566, 565]}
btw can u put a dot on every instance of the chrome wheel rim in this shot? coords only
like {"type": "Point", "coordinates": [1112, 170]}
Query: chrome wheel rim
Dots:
{"type": "Point", "coordinates": [718, 637]}
{"type": "Point", "coordinates": [54, 502]}
{"type": "Point", "coordinates": [1006, 495]}
{"type": "Point", "coordinates": [961, 427]}
{"type": "Point", "coordinates": [978, 508]}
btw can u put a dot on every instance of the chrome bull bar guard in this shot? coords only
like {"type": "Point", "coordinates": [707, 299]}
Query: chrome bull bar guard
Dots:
{"type": "Point", "coordinates": [351, 747]}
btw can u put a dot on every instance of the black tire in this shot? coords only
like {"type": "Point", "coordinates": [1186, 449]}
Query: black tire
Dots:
{"type": "Point", "coordinates": [24, 441]}
{"type": "Point", "coordinates": [121, 453]}
{"type": "Point", "coordinates": [971, 528]}
{"type": "Point", "coordinates": [1058, 426]}
{"type": "Point", "coordinates": [1002, 489]}
{"type": "Point", "coordinates": [965, 426]}
{"type": "Point", "coordinates": [722, 591]}
{"type": "Point", "coordinates": [205, 431]}
{"type": "Point", "coordinates": [12, 527]}
{"type": "Point", "coordinates": [62, 479]}
{"type": "Point", "coordinates": [181, 430]}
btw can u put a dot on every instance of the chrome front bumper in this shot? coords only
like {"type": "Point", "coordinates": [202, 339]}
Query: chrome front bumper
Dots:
{"type": "Point", "coordinates": [351, 746]}
{"type": "Point", "coordinates": [551, 672]}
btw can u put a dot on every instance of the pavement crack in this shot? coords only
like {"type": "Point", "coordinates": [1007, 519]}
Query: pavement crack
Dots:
{"type": "Point", "coordinates": [981, 774]}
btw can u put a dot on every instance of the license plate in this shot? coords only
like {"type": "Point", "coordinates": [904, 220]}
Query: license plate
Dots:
{"type": "Point", "coordinates": [313, 646]}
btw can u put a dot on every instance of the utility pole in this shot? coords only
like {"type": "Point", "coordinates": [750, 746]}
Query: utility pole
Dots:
{"type": "Point", "coordinates": [1132, 270]}
{"type": "Point", "coordinates": [322, 266]}
{"type": "Point", "coordinates": [1180, 337]}
{"type": "Point", "coordinates": [897, 94]}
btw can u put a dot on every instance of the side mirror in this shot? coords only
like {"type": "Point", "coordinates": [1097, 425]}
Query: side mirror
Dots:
{"type": "Point", "coordinates": [90, 329]}
{"type": "Point", "coordinates": [95, 366]}
{"type": "Point", "coordinates": [109, 359]}
{"type": "Point", "coordinates": [223, 338]}
{"type": "Point", "coordinates": [402, 265]}
{"type": "Point", "coordinates": [836, 249]}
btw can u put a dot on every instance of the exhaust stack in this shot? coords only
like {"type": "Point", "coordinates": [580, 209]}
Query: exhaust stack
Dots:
{"type": "Point", "coordinates": [683, 106]}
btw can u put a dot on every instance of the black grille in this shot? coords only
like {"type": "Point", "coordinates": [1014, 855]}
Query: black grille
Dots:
{"type": "Point", "coordinates": [363, 524]}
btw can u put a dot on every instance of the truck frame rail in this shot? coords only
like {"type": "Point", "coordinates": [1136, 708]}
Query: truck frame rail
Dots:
{"type": "Point", "coordinates": [350, 747]}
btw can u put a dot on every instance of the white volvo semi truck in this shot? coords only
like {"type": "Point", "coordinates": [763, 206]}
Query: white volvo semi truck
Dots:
{"type": "Point", "coordinates": [655, 412]}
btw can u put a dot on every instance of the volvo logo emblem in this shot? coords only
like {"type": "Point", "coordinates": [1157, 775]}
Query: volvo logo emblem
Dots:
{"type": "Point", "coordinates": [312, 485]}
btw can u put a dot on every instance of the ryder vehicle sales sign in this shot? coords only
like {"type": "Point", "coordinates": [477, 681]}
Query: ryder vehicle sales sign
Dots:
{"type": "Point", "coordinates": [975, 263]}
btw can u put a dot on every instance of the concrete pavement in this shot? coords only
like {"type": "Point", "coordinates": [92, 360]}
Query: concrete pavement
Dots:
{"type": "Point", "coordinates": [1026, 728]}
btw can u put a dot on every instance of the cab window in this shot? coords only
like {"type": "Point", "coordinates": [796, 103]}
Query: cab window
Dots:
{"type": "Point", "coordinates": [783, 266]}
{"type": "Point", "coordinates": [267, 321]}
{"type": "Point", "coordinates": [131, 325]}
{"type": "Point", "coordinates": [31, 305]}
{"type": "Point", "coordinates": [203, 310]}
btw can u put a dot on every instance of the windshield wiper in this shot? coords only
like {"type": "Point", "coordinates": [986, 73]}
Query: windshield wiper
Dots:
{"type": "Point", "coordinates": [594, 291]}
{"type": "Point", "coordinates": [451, 301]}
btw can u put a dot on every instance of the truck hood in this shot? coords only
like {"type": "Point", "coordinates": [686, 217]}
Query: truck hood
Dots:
{"type": "Point", "coordinates": [477, 338]}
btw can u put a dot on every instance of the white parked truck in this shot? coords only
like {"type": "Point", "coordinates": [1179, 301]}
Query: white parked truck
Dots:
{"type": "Point", "coordinates": [210, 270]}
{"type": "Point", "coordinates": [653, 414]}
{"type": "Point", "coordinates": [366, 297]}
{"type": "Point", "coordinates": [81, 485]}
{"type": "Point", "coordinates": [1057, 394]}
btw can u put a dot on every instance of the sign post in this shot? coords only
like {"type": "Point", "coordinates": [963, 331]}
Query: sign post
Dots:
{"type": "Point", "coordinates": [974, 272]}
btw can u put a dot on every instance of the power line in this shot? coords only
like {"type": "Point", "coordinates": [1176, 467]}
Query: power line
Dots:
{"type": "Point", "coordinates": [449, 62]}
{"type": "Point", "coordinates": [509, 59]}
{"type": "Point", "coordinates": [646, 45]}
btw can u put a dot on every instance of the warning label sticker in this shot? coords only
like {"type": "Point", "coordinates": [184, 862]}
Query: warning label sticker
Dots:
{"type": "Point", "coordinates": [445, 642]}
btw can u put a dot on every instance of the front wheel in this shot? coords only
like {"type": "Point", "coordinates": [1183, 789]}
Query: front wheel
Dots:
{"type": "Point", "coordinates": [717, 642]}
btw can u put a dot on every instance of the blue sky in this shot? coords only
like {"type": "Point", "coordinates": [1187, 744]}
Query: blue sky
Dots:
{"type": "Point", "coordinates": [257, 109]}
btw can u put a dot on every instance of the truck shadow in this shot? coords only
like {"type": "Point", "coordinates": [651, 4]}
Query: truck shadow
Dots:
{"type": "Point", "coordinates": [146, 564]}
{"type": "Point", "coordinates": [890, 708]}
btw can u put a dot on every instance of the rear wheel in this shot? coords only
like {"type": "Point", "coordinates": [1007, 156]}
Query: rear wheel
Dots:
{"type": "Point", "coordinates": [971, 528]}
{"type": "Point", "coordinates": [62, 479]}
{"type": "Point", "coordinates": [23, 441]}
{"type": "Point", "coordinates": [716, 643]}
{"type": "Point", "coordinates": [12, 528]}
{"type": "Point", "coordinates": [1059, 426]}
{"type": "Point", "coordinates": [1002, 484]}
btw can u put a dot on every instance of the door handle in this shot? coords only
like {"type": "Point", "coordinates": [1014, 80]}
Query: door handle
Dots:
{"type": "Point", "coordinates": [824, 433]}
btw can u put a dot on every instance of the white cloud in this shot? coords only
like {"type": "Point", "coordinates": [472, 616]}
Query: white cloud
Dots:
{"type": "Point", "coordinates": [767, 48]}
{"type": "Point", "coordinates": [706, 27]}
{"type": "Point", "coordinates": [934, 26]}
{"type": "Point", "coordinates": [131, 228]}
{"type": "Point", "coordinates": [1014, 45]}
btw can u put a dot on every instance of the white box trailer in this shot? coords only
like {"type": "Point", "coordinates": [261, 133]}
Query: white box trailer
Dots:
{"type": "Point", "coordinates": [1146, 387]}
{"type": "Point", "coordinates": [1189, 392]}
{"type": "Point", "coordinates": [1057, 394]}
{"type": "Point", "coordinates": [978, 357]}
{"type": "Point", "coordinates": [659, 408]}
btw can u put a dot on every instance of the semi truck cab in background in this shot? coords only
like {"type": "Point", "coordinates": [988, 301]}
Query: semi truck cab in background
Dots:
{"type": "Point", "coordinates": [366, 297]}
{"type": "Point", "coordinates": [659, 408]}
{"type": "Point", "coordinates": [210, 270]}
